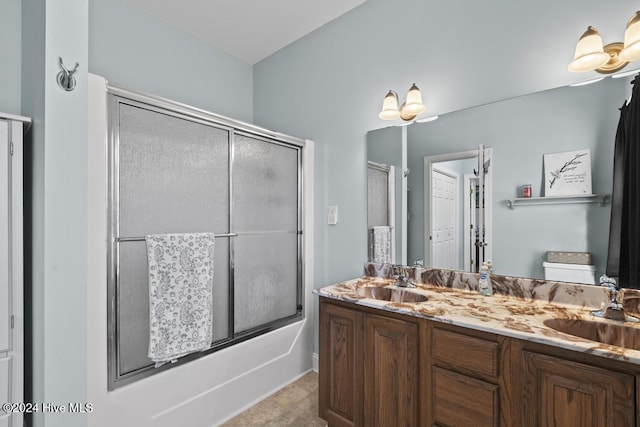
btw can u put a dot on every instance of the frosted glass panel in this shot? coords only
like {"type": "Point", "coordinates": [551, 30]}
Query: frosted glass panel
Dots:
{"type": "Point", "coordinates": [265, 192]}
{"type": "Point", "coordinates": [174, 174]}
{"type": "Point", "coordinates": [133, 301]}
{"type": "Point", "coordinates": [377, 197]}
{"type": "Point", "coordinates": [266, 279]}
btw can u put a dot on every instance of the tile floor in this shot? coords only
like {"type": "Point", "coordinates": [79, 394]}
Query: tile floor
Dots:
{"type": "Point", "coordinates": [296, 405]}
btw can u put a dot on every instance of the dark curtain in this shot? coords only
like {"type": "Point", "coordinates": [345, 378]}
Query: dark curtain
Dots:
{"type": "Point", "coordinates": [623, 259]}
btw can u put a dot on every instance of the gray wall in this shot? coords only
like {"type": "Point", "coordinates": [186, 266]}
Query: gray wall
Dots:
{"type": "Point", "coordinates": [133, 49]}
{"type": "Point", "coordinates": [10, 46]}
{"type": "Point", "coordinates": [520, 131]}
{"type": "Point", "coordinates": [329, 85]}
{"type": "Point", "coordinates": [127, 48]}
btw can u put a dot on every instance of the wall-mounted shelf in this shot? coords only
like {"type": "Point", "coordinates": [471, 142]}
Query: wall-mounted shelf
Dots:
{"type": "Point", "coordinates": [559, 200]}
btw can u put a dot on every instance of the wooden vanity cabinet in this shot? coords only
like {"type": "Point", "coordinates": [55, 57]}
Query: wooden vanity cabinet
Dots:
{"type": "Point", "coordinates": [559, 392]}
{"type": "Point", "coordinates": [341, 365]}
{"type": "Point", "coordinates": [378, 369]}
{"type": "Point", "coordinates": [391, 374]}
{"type": "Point", "coordinates": [465, 378]}
{"type": "Point", "coordinates": [369, 368]}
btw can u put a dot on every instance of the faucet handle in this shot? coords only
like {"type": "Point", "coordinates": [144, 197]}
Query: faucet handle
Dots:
{"type": "Point", "coordinates": [609, 282]}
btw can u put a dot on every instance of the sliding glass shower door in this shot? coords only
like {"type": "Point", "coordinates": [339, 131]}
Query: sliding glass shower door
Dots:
{"type": "Point", "coordinates": [171, 172]}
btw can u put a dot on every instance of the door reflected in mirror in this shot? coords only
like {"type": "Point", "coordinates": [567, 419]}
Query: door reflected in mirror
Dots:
{"type": "Point", "coordinates": [456, 216]}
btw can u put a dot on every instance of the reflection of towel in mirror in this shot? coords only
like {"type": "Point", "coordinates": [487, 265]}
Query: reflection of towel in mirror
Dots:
{"type": "Point", "coordinates": [180, 300]}
{"type": "Point", "coordinates": [380, 244]}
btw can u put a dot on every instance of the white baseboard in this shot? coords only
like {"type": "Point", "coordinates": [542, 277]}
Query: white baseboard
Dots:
{"type": "Point", "coordinates": [314, 362]}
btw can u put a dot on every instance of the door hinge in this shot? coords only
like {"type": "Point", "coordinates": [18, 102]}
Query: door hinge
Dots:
{"type": "Point", "coordinates": [12, 320]}
{"type": "Point", "coordinates": [11, 148]}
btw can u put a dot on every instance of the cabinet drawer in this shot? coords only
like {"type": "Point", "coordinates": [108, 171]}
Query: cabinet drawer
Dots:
{"type": "Point", "coordinates": [464, 352]}
{"type": "Point", "coordinates": [459, 400]}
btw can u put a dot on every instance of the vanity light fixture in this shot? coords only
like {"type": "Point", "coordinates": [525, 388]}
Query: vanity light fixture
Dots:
{"type": "Point", "coordinates": [407, 111]}
{"type": "Point", "coordinates": [591, 55]}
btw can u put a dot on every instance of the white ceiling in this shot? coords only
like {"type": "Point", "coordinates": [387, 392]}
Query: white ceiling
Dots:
{"type": "Point", "coordinates": [250, 30]}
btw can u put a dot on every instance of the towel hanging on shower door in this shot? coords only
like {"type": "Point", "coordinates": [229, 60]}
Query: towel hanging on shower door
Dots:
{"type": "Point", "coordinates": [380, 244]}
{"type": "Point", "coordinates": [180, 294]}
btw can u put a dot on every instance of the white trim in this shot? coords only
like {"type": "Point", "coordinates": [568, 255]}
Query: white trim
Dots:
{"type": "Point", "coordinates": [404, 199]}
{"type": "Point", "coordinates": [455, 176]}
{"type": "Point", "coordinates": [466, 211]}
{"type": "Point", "coordinates": [391, 206]}
{"type": "Point", "coordinates": [15, 118]}
{"type": "Point", "coordinates": [315, 362]}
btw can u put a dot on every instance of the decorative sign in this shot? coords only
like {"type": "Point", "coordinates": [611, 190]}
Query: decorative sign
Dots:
{"type": "Point", "coordinates": [567, 174]}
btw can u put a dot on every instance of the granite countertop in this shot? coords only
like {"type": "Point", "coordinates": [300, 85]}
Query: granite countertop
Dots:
{"type": "Point", "coordinates": [518, 316]}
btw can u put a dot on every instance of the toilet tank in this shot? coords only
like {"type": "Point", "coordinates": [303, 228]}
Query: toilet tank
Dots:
{"type": "Point", "coordinates": [575, 273]}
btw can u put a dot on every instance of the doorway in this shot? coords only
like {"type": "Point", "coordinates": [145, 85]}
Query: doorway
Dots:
{"type": "Point", "coordinates": [445, 213]}
{"type": "Point", "coordinates": [457, 211]}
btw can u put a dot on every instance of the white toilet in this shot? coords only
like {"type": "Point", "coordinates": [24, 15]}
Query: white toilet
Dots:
{"type": "Point", "coordinates": [575, 273]}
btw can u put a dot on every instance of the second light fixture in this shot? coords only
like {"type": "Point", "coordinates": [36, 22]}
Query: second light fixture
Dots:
{"type": "Point", "coordinates": [407, 111]}
{"type": "Point", "coordinates": [591, 55]}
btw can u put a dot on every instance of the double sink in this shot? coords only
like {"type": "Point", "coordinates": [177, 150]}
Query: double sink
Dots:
{"type": "Point", "coordinates": [391, 294]}
{"type": "Point", "coordinates": [608, 332]}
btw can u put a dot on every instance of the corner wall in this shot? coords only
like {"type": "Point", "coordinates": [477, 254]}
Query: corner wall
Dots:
{"type": "Point", "coordinates": [56, 208]}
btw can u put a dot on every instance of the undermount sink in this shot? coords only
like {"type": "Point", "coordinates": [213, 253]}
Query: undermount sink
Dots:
{"type": "Point", "coordinates": [391, 294]}
{"type": "Point", "coordinates": [616, 334]}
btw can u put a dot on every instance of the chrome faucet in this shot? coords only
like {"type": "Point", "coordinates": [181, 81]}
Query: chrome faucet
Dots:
{"type": "Point", "coordinates": [400, 277]}
{"type": "Point", "coordinates": [613, 308]}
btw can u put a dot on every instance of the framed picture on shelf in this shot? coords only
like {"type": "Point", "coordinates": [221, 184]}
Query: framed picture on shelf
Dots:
{"type": "Point", "coordinates": [568, 173]}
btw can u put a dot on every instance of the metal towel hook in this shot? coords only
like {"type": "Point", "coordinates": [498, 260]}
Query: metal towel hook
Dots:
{"type": "Point", "coordinates": [65, 78]}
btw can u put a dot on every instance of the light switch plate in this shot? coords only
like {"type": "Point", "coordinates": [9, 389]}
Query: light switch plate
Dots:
{"type": "Point", "coordinates": [332, 218]}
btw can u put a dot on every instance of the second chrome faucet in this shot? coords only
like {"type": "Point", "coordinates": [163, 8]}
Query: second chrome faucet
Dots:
{"type": "Point", "coordinates": [400, 277]}
{"type": "Point", "coordinates": [613, 308]}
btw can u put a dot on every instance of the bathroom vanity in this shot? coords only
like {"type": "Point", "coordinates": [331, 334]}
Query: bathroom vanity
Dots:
{"type": "Point", "coordinates": [443, 355]}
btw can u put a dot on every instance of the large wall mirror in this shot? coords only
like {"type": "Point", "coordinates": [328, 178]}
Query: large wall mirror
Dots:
{"type": "Point", "coordinates": [515, 134]}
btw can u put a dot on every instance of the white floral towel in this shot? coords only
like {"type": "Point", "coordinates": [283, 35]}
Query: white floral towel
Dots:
{"type": "Point", "coordinates": [180, 300]}
{"type": "Point", "coordinates": [380, 244]}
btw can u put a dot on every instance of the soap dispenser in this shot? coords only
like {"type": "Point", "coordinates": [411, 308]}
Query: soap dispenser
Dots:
{"type": "Point", "coordinates": [484, 285]}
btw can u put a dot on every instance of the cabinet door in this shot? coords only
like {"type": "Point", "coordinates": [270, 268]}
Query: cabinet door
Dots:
{"type": "Point", "coordinates": [391, 372]}
{"type": "Point", "coordinates": [563, 393]}
{"type": "Point", "coordinates": [5, 249]}
{"type": "Point", "coordinates": [459, 400]}
{"type": "Point", "coordinates": [340, 365]}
